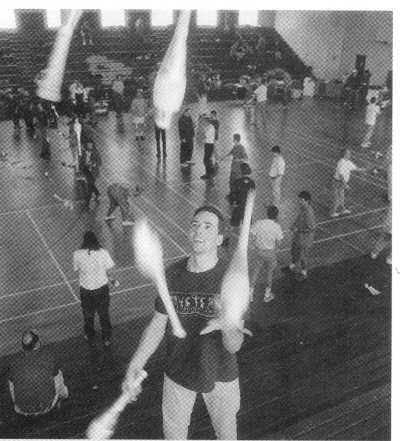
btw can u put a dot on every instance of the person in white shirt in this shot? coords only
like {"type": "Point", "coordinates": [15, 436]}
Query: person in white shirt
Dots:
{"type": "Point", "coordinates": [373, 110]}
{"type": "Point", "coordinates": [94, 265]}
{"type": "Point", "coordinates": [276, 173]}
{"type": "Point", "coordinates": [340, 182]}
{"type": "Point", "coordinates": [209, 132]}
{"type": "Point", "coordinates": [385, 238]}
{"type": "Point", "coordinates": [260, 96]}
{"type": "Point", "coordinates": [268, 234]}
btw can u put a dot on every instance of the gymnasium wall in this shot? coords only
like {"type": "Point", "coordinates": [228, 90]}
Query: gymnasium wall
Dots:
{"type": "Point", "coordinates": [330, 40]}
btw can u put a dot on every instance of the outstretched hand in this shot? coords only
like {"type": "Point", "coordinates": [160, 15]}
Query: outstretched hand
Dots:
{"type": "Point", "coordinates": [219, 323]}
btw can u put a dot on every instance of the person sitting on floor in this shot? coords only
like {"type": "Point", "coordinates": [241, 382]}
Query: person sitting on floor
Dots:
{"type": "Point", "coordinates": [35, 379]}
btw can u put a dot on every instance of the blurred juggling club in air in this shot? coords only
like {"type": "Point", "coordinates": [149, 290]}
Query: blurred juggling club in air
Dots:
{"type": "Point", "coordinates": [149, 259]}
{"type": "Point", "coordinates": [235, 289]}
{"type": "Point", "coordinates": [170, 84]}
{"type": "Point", "coordinates": [50, 87]}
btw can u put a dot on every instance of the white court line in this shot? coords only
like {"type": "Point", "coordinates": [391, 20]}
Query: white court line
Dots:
{"type": "Point", "coordinates": [332, 166]}
{"type": "Point", "coordinates": [295, 134]}
{"type": "Point", "coordinates": [351, 216]}
{"type": "Point", "coordinates": [141, 286]}
{"type": "Point", "coordinates": [76, 280]}
{"type": "Point", "coordinates": [32, 290]}
{"type": "Point", "coordinates": [327, 239]}
{"type": "Point", "coordinates": [5, 213]}
{"type": "Point", "coordinates": [38, 312]}
{"type": "Point", "coordinates": [359, 155]}
{"type": "Point", "coordinates": [52, 256]}
{"type": "Point", "coordinates": [340, 236]}
{"type": "Point", "coordinates": [131, 288]}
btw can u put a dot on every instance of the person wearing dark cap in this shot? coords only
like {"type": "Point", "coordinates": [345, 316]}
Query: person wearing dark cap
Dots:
{"type": "Point", "coordinates": [35, 379]}
{"type": "Point", "coordinates": [303, 230]}
{"type": "Point", "coordinates": [95, 266]}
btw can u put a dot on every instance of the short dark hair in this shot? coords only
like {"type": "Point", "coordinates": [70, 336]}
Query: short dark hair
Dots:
{"type": "Point", "coordinates": [245, 168]}
{"type": "Point", "coordinates": [373, 100]}
{"type": "Point", "coordinates": [29, 340]}
{"type": "Point", "coordinates": [276, 149]}
{"type": "Point", "coordinates": [236, 137]}
{"type": "Point", "coordinates": [90, 242]}
{"type": "Point", "coordinates": [272, 212]}
{"type": "Point", "coordinates": [217, 212]}
{"type": "Point", "coordinates": [306, 195]}
{"type": "Point", "coordinates": [214, 112]}
{"type": "Point", "coordinates": [343, 152]}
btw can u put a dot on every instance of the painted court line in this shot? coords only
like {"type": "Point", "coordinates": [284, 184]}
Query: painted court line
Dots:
{"type": "Point", "coordinates": [76, 280]}
{"type": "Point", "coordinates": [351, 216]}
{"type": "Point", "coordinates": [38, 312]}
{"type": "Point", "coordinates": [333, 166]}
{"type": "Point", "coordinates": [359, 155]}
{"type": "Point", "coordinates": [26, 210]}
{"type": "Point", "coordinates": [52, 256]}
{"type": "Point", "coordinates": [32, 290]}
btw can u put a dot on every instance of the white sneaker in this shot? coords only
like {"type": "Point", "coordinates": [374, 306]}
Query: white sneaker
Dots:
{"type": "Point", "coordinates": [374, 255]}
{"type": "Point", "coordinates": [389, 260]}
{"type": "Point", "coordinates": [268, 297]}
{"type": "Point", "coordinates": [128, 222]}
{"type": "Point", "coordinates": [346, 211]}
{"type": "Point", "coordinates": [365, 145]}
{"type": "Point", "coordinates": [335, 215]}
{"type": "Point", "coordinates": [110, 217]}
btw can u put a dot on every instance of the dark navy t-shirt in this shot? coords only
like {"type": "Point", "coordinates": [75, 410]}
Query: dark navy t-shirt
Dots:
{"type": "Point", "coordinates": [197, 361]}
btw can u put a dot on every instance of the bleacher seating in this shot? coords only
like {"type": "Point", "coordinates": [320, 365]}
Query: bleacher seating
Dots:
{"type": "Point", "coordinates": [208, 50]}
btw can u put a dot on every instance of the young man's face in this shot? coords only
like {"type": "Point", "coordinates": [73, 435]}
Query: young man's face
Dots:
{"type": "Point", "coordinates": [204, 236]}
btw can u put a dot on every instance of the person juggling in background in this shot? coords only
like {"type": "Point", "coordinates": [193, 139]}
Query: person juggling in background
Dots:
{"type": "Point", "coordinates": [340, 182]}
{"type": "Point", "coordinates": [118, 195]}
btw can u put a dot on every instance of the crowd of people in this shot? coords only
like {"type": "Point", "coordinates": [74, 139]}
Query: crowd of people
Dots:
{"type": "Point", "coordinates": [205, 361]}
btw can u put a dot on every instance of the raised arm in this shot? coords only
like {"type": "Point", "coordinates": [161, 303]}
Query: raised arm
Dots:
{"type": "Point", "coordinates": [149, 343]}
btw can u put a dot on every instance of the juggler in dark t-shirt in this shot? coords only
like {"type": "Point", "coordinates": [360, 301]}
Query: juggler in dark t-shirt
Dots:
{"type": "Point", "coordinates": [197, 361]}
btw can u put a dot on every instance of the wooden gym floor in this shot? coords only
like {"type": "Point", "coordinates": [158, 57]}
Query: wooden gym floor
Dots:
{"type": "Point", "coordinates": [38, 236]}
